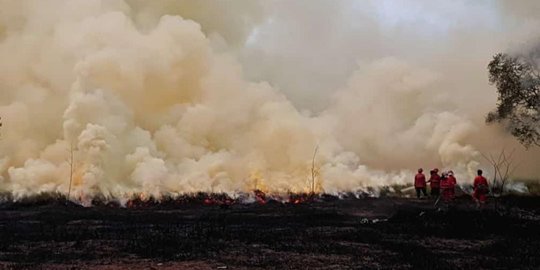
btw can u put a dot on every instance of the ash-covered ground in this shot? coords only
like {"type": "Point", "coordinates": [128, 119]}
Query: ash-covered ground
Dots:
{"type": "Point", "coordinates": [327, 233]}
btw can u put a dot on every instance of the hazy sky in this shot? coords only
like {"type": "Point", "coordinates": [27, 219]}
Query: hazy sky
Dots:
{"type": "Point", "coordinates": [298, 41]}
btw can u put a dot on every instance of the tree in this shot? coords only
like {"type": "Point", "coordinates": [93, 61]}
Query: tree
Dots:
{"type": "Point", "coordinates": [313, 171]}
{"type": "Point", "coordinates": [517, 80]}
{"type": "Point", "coordinates": [503, 168]}
{"type": "Point", "coordinates": [71, 166]}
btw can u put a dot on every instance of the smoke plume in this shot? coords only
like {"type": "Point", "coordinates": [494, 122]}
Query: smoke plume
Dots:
{"type": "Point", "coordinates": [171, 97]}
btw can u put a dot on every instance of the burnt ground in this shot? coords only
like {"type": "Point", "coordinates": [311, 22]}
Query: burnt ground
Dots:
{"type": "Point", "coordinates": [367, 233]}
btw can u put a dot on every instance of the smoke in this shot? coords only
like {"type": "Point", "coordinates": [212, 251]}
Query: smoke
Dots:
{"type": "Point", "coordinates": [442, 47]}
{"type": "Point", "coordinates": [170, 97]}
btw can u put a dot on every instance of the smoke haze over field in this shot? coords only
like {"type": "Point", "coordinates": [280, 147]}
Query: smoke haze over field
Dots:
{"type": "Point", "coordinates": [183, 96]}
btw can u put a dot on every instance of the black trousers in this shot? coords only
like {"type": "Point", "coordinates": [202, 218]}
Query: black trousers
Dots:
{"type": "Point", "coordinates": [435, 191]}
{"type": "Point", "coordinates": [418, 190]}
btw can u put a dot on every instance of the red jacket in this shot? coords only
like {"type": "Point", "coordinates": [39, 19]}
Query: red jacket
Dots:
{"type": "Point", "coordinates": [480, 184]}
{"type": "Point", "coordinates": [448, 188]}
{"type": "Point", "coordinates": [435, 181]}
{"type": "Point", "coordinates": [452, 180]}
{"type": "Point", "coordinates": [449, 183]}
{"type": "Point", "coordinates": [420, 180]}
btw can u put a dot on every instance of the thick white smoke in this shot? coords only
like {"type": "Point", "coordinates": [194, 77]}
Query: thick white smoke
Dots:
{"type": "Point", "coordinates": [152, 103]}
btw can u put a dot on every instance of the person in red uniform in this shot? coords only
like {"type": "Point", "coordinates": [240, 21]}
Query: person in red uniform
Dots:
{"type": "Point", "coordinates": [452, 178]}
{"type": "Point", "coordinates": [481, 189]}
{"type": "Point", "coordinates": [448, 186]}
{"type": "Point", "coordinates": [435, 182]}
{"type": "Point", "coordinates": [420, 183]}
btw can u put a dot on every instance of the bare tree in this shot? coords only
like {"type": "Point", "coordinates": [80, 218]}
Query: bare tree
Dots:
{"type": "Point", "coordinates": [71, 165]}
{"type": "Point", "coordinates": [503, 167]}
{"type": "Point", "coordinates": [314, 170]}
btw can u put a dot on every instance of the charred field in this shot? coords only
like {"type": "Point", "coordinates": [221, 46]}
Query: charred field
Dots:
{"type": "Point", "coordinates": [322, 233]}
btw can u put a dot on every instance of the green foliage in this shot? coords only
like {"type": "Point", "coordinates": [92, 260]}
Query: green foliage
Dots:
{"type": "Point", "coordinates": [518, 85]}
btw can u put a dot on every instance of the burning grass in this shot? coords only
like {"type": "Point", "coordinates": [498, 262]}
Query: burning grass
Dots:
{"type": "Point", "coordinates": [141, 200]}
{"type": "Point", "coordinates": [225, 200]}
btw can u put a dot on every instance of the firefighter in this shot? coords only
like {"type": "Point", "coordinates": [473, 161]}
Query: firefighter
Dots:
{"type": "Point", "coordinates": [448, 186]}
{"type": "Point", "coordinates": [481, 189]}
{"type": "Point", "coordinates": [452, 178]}
{"type": "Point", "coordinates": [420, 183]}
{"type": "Point", "coordinates": [434, 182]}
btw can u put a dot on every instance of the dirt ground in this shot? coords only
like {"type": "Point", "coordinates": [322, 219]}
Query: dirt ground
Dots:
{"type": "Point", "coordinates": [329, 233]}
